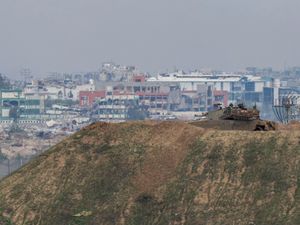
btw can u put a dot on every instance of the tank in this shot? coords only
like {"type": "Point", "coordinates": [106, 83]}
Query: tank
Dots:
{"type": "Point", "coordinates": [236, 118]}
{"type": "Point", "coordinates": [240, 113]}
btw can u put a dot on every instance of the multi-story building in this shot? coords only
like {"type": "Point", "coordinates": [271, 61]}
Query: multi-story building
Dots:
{"type": "Point", "coordinates": [160, 97]}
{"type": "Point", "coordinates": [154, 96]}
{"type": "Point", "coordinates": [57, 91]}
{"type": "Point", "coordinates": [88, 98]}
{"type": "Point", "coordinates": [16, 104]}
{"type": "Point", "coordinates": [115, 105]}
{"type": "Point", "coordinates": [109, 104]}
{"type": "Point", "coordinates": [240, 88]}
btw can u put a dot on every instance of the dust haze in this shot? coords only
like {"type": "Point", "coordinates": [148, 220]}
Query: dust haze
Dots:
{"type": "Point", "coordinates": [156, 35]}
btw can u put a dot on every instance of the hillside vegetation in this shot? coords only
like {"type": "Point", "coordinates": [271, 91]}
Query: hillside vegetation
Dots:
{"type": "Point", "coordinates": [159, 173]}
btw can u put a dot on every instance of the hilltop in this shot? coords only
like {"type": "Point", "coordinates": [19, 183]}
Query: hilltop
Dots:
{"type": "Point", "coordinates": [159, 173]}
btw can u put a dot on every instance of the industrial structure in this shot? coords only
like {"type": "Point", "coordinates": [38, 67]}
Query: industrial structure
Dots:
{"type": "Point", "coordinates": [288, 106]}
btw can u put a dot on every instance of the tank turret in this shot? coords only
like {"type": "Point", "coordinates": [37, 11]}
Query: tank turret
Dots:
{"type": "Point", "coordinates": [240, 112]}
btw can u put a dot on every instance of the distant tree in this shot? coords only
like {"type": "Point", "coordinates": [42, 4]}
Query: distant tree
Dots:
{"type": "Point", "coordinates": [14, 113]}
{"type": "Point", "coordinates": [70, 94]}
{"type": "Point", "coordinates": [136, 113]}
{"type": "Point", "coordinates": [4, 82]}
{"type": "Point", "coordinates": [60, 95]}
{"type": "Point", "coordinates": [48, 103]}
{"type": "Point", "coordinates": [2, 156]}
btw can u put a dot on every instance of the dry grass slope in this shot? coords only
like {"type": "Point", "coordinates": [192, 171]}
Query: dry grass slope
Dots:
{"type": "Point", "coordinates": [159, 173]}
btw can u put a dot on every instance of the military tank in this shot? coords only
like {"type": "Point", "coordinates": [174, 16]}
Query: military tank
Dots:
{"type": "Point", "coordinates": [236, 118]}
{"type": "Point", "coordinates": [240, 112]}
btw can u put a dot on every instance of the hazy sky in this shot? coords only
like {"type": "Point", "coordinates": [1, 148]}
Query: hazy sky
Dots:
{"type": "Point", "coordinates": [155, 35]}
